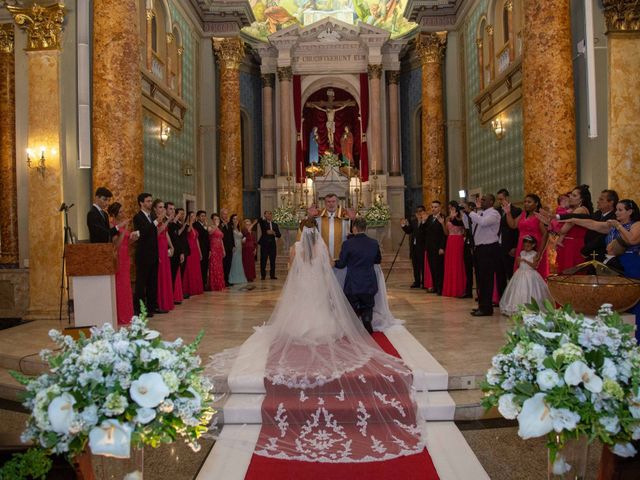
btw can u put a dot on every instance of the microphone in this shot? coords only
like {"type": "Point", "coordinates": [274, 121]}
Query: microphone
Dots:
{"type": "Point", "coordinates": [64, 207]}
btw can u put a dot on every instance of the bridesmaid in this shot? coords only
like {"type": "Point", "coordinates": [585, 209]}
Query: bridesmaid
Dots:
{"type": "Point", "coordinates": [236, 276]}
{"type": "Point", "coordinates": [249, 246]}
{"type": "Point", "coordinates": [455, 277]}
{"type": "Point", "coordinates": [571, 236]}
{"type": "Point", "coordinates": [124, 297]}
{"type": "Point", "coordinates": [528, 223]}
{"type": "Point", "coordinates": [192, 277]}
{"type": "Point", "coordinates": [216, 270]}
{"type": "Point", "coordinates": [165, 252]}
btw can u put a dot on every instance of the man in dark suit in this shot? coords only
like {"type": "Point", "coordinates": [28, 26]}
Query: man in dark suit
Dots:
{"type": "Point", "coordinates": [146, 289]}
{"type": "Point", "coordinates": [508, 242]}
{"type": "Point", "coordinates": [98, 219]}
{"type": "Point", "coordinates": [469, 268]}
{"type": "Point", "coordinates": [269, 233]}
{"type": "Point", "coordinates": [416, 229]}
{"type": "Point", "coordinates": [183, 241]}
{"type": "Point", "coordinates": [359, 254]}
{"type": "Point", "coordinates": [174, 234]}
{"type": "Point", "coordinates": [229, 243]}
{"type": "Point", "coordinates": [435, 241]}
{"type": "Point", "coordinates": [203, 239]}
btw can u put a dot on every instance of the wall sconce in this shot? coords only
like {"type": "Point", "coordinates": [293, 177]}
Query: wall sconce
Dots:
{"type": "Point", "coordinates": [187, 169]}
{"type": "Point", "coordinates": [165, 130]}
{"type": "Point", "coordinates": [40, 167]}
{"type": "Point", "coordinates": [498, 128]}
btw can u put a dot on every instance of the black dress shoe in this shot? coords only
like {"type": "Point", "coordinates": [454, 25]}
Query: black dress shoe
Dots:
{"type": "Point", "coordinates": [160, 311]}
{"type": "Point", "coordinates": [263, 278]}
{"type": "Point", "coordinates": [467, 296]}
{"type": "Point", "coordinates": [273, 278]}
{"type": "Point", "coordinates": [186, 296]}
{"type": "Point", "coordinates": [481, 313]}
{"type": "Point", "coordinates": [430, 290]}
{"type": "Point", "coordinates": [177, 303]}
{"type": "Point", "coordinates": [149, 315]}
{"type": "Point", "coordinates": [415, 285]}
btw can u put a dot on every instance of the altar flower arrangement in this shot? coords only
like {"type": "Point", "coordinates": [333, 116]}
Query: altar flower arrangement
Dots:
{"type": "Point", "coordinates": [116, 390]}
{"type": "Point", "coordinates": [286, 217]}
{"type": "Point", "coordinates": [567, 376]}
{"type": "Point", "coordinates": [330, 159]}
{"type": "Point", "coordinates": [378, 214]}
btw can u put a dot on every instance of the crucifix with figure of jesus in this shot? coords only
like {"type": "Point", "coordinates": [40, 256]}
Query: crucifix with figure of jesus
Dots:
{"type": "Point", "coordinates": [330, 107]}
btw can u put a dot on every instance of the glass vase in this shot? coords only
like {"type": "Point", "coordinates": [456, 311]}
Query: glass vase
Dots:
{"type": "Point", "coordinates": [570, 462]}
{"type": "Point", "coordinates": [111, 468]}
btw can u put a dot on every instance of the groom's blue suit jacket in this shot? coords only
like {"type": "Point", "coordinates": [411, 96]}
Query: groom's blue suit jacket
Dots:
{"type": "Point", "coordinates": [359, 254]}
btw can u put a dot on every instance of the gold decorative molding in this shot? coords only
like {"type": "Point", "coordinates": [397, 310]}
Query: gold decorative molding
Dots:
{"type": "Point", "coordinates": [268, 80]}
{"type": "Point", "coordinates": [479, 42]}
{"type": "Point", "coordinates": [150, 14]}
{"type": "Point", "coordinates": [170, 38]}
{"type": "Point", "coordinates": [508, 5]}
{"type": "Point", "coordinates": [180, 51]}
{"type": "Point", "coordinates": [431, 47]}
{"type": "Point", "coordinates": [393, 76]}
{"type": "Point", "coordinates": [285, 74]}
{"type": "Point", "coordinates": [374, 71]}
{"type": "Point", "coordinates": [6, 38]}
{"type": "Point", "coordinates": [622, 16]}
{"type": "Point", "coordinates": [489, 29]}
{"type": "Point", "coordinates": [42, 24]}
{"type": "Point", "coordinates": [229, 52]}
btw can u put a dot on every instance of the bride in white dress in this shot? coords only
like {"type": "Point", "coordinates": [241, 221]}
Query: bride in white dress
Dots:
{"type": "Point", "coordinates": [332, 394]}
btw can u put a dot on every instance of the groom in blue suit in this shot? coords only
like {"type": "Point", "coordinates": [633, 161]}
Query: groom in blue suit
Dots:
{"type": "Point", "coordinates": [359, 254]}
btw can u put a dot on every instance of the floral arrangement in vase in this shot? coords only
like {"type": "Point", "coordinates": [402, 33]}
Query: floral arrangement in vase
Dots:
{"type": "Point", "coordinates": [116, 390]}
{"type": "Point", "coordinates": [378, 214]}
{"type": "Point", "coordinates": [330, 159]}
{"type": "Point", "coordinates": [286, 217]}
{"type": "Point", "coordinates": [567, 376]}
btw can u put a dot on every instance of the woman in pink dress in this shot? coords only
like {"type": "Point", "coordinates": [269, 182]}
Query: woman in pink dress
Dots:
{"type": "Point", "coordinates": [455, 277]}
{"type": "Point", "coordinates": [192, 277]}
{"type": "Point", "coordinates": [165, 251]}
{"type": "Point", "coordinates": [124, 297]}
{"type": "Point", "coordinates": [216, 268]}
{"type": "Point", "coordinates": [249, 247]}
{"type": "Point", "coordinates": [529, 224]}
{"type": "Point", "coordinates": [571, 236]}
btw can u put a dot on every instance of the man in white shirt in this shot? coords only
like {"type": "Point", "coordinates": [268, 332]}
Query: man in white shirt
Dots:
{"type": "Point", "coordinates": [486, 227]}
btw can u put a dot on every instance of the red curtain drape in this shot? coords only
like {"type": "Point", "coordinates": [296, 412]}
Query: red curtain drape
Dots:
{"type": "Point", "coordinates": [297, 114]}
{"type": "Point", "coordinates": [364, 117]}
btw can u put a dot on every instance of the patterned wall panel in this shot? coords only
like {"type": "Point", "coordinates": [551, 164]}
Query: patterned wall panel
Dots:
{"type": "Point", "coordinates": [493, 164]}
{"type": "Point", "coordinates": [410, 102]}
{"type": "Point", "coordinates": [163, 164]}
{"type": "Point", "coordinates": [251, 104]}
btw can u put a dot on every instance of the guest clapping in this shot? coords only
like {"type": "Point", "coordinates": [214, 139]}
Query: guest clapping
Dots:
{"type": "Point", "coordinates": [192, 276]}
{"type": "Point", "coordinates": [455, 280]}
{"type": "Point", "coordinates": [249, 247]}
{"type": "Point", "coordinates": [216, 258]}
{"type": "Point", "coordinates": [121, 240]}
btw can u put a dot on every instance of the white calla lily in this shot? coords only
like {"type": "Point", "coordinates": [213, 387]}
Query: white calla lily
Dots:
{"type": "Point", "coordinates": [149, 390]}
{"type": "Point", "coordinates": [534, 419]}
{"type": "Point", "coordinates": [579, 372]}
{"type": "Point", "coordinates": [145, 415]}
{"type": "Point", "coordinates": [624, 449]}
{"type": "Point", "coordinates": [61, 413]}
{"type": "Point", "coordinates": [111, 439]}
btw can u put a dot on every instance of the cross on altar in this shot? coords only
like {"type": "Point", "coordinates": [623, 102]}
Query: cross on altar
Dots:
{"type": "Point", "coordinates": [330, 107]}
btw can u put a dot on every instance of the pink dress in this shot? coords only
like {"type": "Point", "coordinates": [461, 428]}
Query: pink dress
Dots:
{"type": "Point", "coordinates": [165, 285]}
{"type": "Point", "coordinates": [178, 296]}
{"type": "Point", "coordinates": [124, 297]}
{"type": "Point", "coordinates": [531, 226]}
{"type": "Point", "coordinates": [192, 278]}
{"type": "Point", "coordinates": [216, 269]}
{"type": "Point", "coordinates": [455, 277]}
{"type": "Point", "coordinates": [568, 255]}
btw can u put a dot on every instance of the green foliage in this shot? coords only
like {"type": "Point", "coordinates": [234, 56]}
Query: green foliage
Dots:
{"type": "Point", "coordinates": [34, 463]}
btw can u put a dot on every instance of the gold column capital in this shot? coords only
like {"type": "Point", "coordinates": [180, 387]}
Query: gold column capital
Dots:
{"type": "Point", "coordinates": [180, 51]}
{"type": "Point", "coordinates": [489, 30]}
{"type": "Point", "coordinates": [150, 14]}
{"type": "Point", "coordinates": [431, 47]}
{"type": "Point", "coordinates": [6, 38]}
{"type": "Point", "coordinates": [170, 38]}
{"type": "Point", "coordinates": [229, 52]}
{"type": "Point", "coordinates": [268, 80]}
{"type": "Point", "coordinates": [479, 42]}
{"type": "Point", "coordinates": [374, 71]}
{"type": "Point", "coordinates": [285, 74]}
{"type": "Point", "coordinates": [508, 5]}
{"type": "Point", "coordinates": [622, 16]}
{"type": "Point", "coordinates": [393, 76]}
{"type": "Point", "coordinates": [42, 24]}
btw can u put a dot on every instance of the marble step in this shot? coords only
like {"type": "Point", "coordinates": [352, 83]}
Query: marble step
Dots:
{"type": "Point", "coordinates": [10, 389]}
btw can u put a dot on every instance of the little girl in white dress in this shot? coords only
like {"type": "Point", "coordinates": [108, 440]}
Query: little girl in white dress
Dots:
{"type": "Point", "coordinates": [526, 283]}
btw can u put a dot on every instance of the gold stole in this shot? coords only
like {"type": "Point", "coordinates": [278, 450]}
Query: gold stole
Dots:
{"type": "Point", "coordinates": [337, 230]}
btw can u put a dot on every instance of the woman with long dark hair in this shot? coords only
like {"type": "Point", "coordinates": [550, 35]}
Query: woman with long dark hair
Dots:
{"type": "Point", "coordinates": [236, 275]}
{"type": "Point", "coordinates": [571, 235]}
{"type": "Point", "coordinates": [192, 277]}
{"type": "Point", "coordinates": [165, 252]}
{"type": "Point", "coordinates": [455, 278]}
{"type": "Point", "coordinates": [124, 296]}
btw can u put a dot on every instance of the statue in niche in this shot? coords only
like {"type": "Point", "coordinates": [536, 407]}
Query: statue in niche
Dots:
{"type": "Point", "coordinates": [330, 107]}
{"type": "Point", "coordinates": [346, 145]}
{"type": "Point", "coordinates": [314, 139]}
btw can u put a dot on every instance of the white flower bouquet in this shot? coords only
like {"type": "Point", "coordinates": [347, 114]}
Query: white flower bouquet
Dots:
{"type": "Point", "coordinates": [378, 214]}
{"type": "Point", "coordinates": [566, 376]}
{"type": "Point", "coordinates": [286, 217]}
{"type": "Point", "coordinates": [115, 390]}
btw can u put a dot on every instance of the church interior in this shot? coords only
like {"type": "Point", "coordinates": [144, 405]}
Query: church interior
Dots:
{"type": "Point", "coordinates": [254, 106]}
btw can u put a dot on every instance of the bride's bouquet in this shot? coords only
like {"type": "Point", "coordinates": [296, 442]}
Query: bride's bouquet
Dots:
{"type": "Point", "coordinates": [564, 375]}
{"type": "Point", "coordinates": [116, 390]}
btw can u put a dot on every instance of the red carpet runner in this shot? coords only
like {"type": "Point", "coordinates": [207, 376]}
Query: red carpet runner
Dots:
{"type": "Point", "coordinates": [410, 467]}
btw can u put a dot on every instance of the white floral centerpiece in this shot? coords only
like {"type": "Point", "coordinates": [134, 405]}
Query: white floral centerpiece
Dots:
{"type": "Point", "coordinates": [286, 217]}
{"type": "Point", "coordinates": [330, 159]}
{"type": "Point", "coordinates": [378, 214]}
{"type": "Point", "coordinates": [566, 376]}
{"type": "Point", "coordinates": [117, 390]}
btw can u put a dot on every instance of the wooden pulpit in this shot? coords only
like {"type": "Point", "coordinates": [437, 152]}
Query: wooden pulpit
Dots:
{"type": "Point", "coordinates": [92, 268]}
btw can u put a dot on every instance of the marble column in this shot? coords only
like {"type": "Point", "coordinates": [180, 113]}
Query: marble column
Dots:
{"type": "Point", "coordinates": [8, 186]}
{"type": "Point", "coordinates": [230, 52]}
{"type": "Point", "coordinates": [549, 127]}
{"type": "Point", "coordinates": [374, 136]}
{"type": "Point", "coordinates": [394, 123]}
{"type": "Point", "coordinates": [623, 39]}
{"type": "Point", "coordinates": [267, 124]}
{"type": "Point", "coordinates": [431, 47]}
{"type": "Point", "coordinates": [43, 26]}
{"type": "Point", "coordinates": [284, 79]}
{"type": "Point", "coordinates": [116, 129]}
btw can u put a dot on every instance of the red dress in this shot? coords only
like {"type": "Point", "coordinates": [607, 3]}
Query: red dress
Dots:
{"type": "Point", "coordinates": [124, 297]}
{"type": "Point", "coordinates": [178, 296]}
{"type": "Point", "coordinates": [455, 277]}
{"type": "Point", "coordinates": [531, 226]}
{"type": "Point", "coordinates": [192, 278]}
{"type": "Point", "coordinates": [249, 255]}
{"type": "Point", "coordinates": [165, 285]}
{"type": "Point", "coordinates": [568, 255]}
{"type": "Point", "coordinates": [216, 269]}
{"type": "Point", "coordinates": [428, 281]}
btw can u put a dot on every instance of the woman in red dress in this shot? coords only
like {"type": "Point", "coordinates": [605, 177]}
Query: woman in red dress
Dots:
{"type": "Point", "coordinates": [165, 251]}
{"type": "Point", "coordinates": [528, 223]}
{"type": "Point", "coordinates": [249, 247]}
{"type": "Point", "coordinates": [124, 297]}
{"type": "Point", "coordinates": [216, 269]}
{"type": "Point", "coordinates": [571, 236]}
{"type": "Point", "coordinates": [455, 277]}
{"type": "Point", "coordinates": [192, 277]}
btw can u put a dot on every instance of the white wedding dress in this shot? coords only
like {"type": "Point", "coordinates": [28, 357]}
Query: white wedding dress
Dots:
{"type": "Point", "coordinates": [525, 285]}
{"type": "Point", "coordinates": [332, 394]}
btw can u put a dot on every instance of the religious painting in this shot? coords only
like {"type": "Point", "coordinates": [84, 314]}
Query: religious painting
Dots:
{"type": "Point", "coordinates": [274, 15]}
